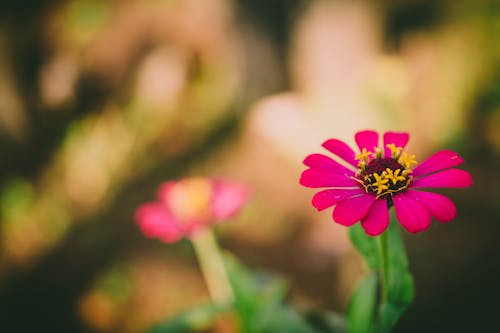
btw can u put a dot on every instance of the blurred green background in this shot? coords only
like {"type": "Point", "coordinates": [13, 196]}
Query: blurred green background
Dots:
{"type": "Point", "coordinates": [100, 101]}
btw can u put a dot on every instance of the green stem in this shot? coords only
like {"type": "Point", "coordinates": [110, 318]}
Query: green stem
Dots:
{"type": "Point", "coordinates": [212, 267]}
{"type": "Point", "coordinates": [384, 266]}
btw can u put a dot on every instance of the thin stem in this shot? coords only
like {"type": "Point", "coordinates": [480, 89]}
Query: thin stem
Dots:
{"type": "Point", "coordinates": [384, 266]}
{"type": "Point", "coordinates": [212, 267]}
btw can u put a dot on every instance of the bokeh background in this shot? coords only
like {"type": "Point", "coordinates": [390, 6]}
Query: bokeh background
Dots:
{"type": "Point", "coordinates": [101, 101]}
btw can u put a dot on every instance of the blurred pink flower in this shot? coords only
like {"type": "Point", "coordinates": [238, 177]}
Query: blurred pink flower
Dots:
{"type": "Point", "coordinates": [378, 178]}
{"type": "Point", "coordinates": [188, 205]}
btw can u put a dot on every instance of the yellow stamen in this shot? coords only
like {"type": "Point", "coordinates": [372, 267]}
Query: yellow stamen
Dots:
{"type": "Point", "coordinates": [395, 151]}
{"type": "Point", "coordinates": [394, 175]}
{"type": "Point", "coordinates": [380, 181]}
{"type": "Point", "coordinates": [407, 160]}
{"type": "Point", "coordinates": [364, 155]}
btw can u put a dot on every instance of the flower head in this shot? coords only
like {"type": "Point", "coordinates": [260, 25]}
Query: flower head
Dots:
{"type": "Point", "coordinates": [377, 178]}
{"type": "Point", "coordinates": [187, 205]}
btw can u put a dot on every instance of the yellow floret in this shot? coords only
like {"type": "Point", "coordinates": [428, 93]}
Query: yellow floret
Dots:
{"type": "Point", "coordinates": [395, 151]}
{"type": "Point", "coordinates": [380, 182]}
{"type": "Point", "coordinates": [407, 160]}
{"type": "Point", "coordinates": [394, 176]}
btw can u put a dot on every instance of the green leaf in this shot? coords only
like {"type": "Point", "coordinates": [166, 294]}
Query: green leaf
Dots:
{"type": "Point", "coordinates": [361, 310]}
{"type": "Point", "coordinates": [389, 315]}
{"type": "Point", "coordinates": [192, 320]}
{"type": "Point", "coordinates": [326, 321]}
{"type": "Point", "coordinates": [259, 301]}
{"type": "Point", "coordinates": [366, 245]}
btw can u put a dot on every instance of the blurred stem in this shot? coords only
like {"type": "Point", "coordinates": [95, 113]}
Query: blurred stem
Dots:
{"type": "Point", "coordinates": [384, 266]}
{"type": "Point", "coordinates": [212, 266]}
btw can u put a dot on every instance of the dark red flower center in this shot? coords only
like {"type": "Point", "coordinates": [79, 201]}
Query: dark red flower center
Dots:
{"type": "Point", "coordinates": [379, 165]}
{"type": "Point", "coordinates": [384, 177]}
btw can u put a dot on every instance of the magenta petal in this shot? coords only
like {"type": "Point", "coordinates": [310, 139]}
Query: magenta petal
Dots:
{"type": "Point", "coordinates": [321, 178]}
{"type": "Point", "coordinates": [324, 162]}
{"type": "Point", "coordinates": [367, 139]}
{"type": "Point", "coordinates": [451, 178]}
{"type": "Point", "coordinates": [439, 206]}
{"type": "Point", "coordinates": [155, 221]}
{"type": "Point", "coordinates": [164, 190]}
{"type": "Point", "coordinates": [399, 139]}
{"type": "Point", "coordinates": [351, 210]}
{"type": "Point", "coordinates": [377, 219]}
{"type": "Point", "coordinates": [342, 150]}
{"type": "Point", "coordinates": [412, 215]}
{"type": "Point", "coordinates": [443, 159]}
{"type": "Point", "coordinates": [328, 198]}
{"type": "Point", "coordinates": [227, 199]}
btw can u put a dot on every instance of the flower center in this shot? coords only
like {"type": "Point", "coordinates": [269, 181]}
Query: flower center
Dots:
{"type": "Point", "coordinates": [385, 176]}
{"type": "Point", "coordinates": [189, 199]}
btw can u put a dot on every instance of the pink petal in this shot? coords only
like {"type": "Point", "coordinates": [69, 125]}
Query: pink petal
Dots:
{"type": "Point", "coordinates": [438, 205]}
{"type": "Point", "coordinates": [412, 215]}
{"type": "Point", "coordinates": [328, 198]}
{"type": "Point", "coordinates": [324, 162]}
{"type": "Point", "coordinates": [321, 178]}
{"type": "Point", "coordinates": [154, 220]}
{"type": "Point", "coordinates": [399, 139]}
{"type": "Point", "coordinates": [377, 219]}
{"type": "Point", "coordinates": [342, 150]}
{"type": "Point", "coordinates": [227, 199]}
{"type": "Point", "coordinates": [367, 139]}
{"type": "Point", "coordinates": [443, 159]}
{"type": "Point", "coordinates": [164, 189]}
{"type": "Point", "coordinates": [451, 178]}
{"type": "Point", "coordinates": [351, 210]}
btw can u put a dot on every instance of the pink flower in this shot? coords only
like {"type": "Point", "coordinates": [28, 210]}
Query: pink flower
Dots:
{"type": "Point", "coordinates": [188, 205]}
{"type": "Point", "coordinates": [377, 178]}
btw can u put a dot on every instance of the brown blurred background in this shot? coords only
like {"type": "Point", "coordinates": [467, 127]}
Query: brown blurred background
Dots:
{"type": "Point", "coordinates": [100, 101]}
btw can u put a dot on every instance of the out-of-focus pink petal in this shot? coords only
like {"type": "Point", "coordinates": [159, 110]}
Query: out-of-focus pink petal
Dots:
{"type": "Point", "coordinates": [377, 219]}
{"type": "Point", "coordinates": [399, 139]}
{"type": "Point", "coordinates": [322, 178]}
{"type": "Point", "coordinates": [351, 210]}
{"type": "Point", "coordinates": [342, 150]}
{"type": "Point", "coordinates": [154, 220]}
{"type": "Point", "coordinates": [450, 178]}
{"type": "Point", "coordinates": [439, 206]}
{"type": "Point", "coordinates": [164, 190]}
{"type": "Point", "coordinates": [367, 139]}
{"type": "Point", "coordinates": [328, 198]}
{"type": "Point", "coordinates": [227, 199]}
{"type": "Point", "coordinates": [443, 159]}
{"type": "Point", "coordinates": [412, 215]}
{"type": "Point", "coordinates": [320, 161]}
